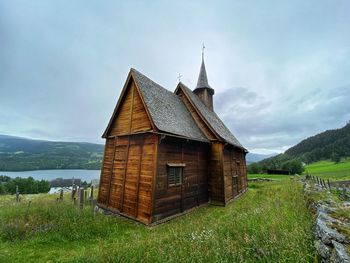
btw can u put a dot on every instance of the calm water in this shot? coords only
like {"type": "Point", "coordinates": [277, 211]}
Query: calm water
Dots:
{"type": "Point", "coordinates": [85, 175]}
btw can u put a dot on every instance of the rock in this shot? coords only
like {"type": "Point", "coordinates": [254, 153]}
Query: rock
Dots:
{"type": "Point", "coordinates": [261, 180]}
{"type": "Point", "coordinates": [339, 254]}
{"type": "Point", "coordinates": [323, 250]}
{"type": "Point", "coordinates": [327, 234]}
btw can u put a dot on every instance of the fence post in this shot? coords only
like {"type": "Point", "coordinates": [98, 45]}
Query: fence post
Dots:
{"type": "Point", "coordinates": [329, 185]}
{"type": "Point", "coordinates": [91, 193]}
{"type": "Point", "coordinates": [81, 197]}
{"type": "Point", "coordinates": [61, 195]}
{"type": "Point", "coordinates": [17, 194]}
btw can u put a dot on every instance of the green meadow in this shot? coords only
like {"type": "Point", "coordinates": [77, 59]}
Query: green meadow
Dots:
{"type": "Point", "coordinates": [269, 223]}
{"type": "Point", "coordinates": [330, 170]}
{"type": "Point", "coordinates": [270, 176]}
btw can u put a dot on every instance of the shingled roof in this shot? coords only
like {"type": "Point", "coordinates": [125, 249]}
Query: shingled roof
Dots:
{"type": "Point", "coordinates": [212, 118]}
{"type": "Point", "coordinates": [167, 111]}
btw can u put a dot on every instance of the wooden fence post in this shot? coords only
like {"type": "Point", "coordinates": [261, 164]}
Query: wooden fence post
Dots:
{"type": "Point", "coordinates": [61, 195]}
{"type": "Point", "coordinates": [91, 193]}
{"type": "Point", "coordinates": [74, 190]}
{"type": "Point", "coordinates": [329, 185]}
{"type": "Point", "coordinates": [17, 194]}
{"type": "Point", "coordinates": [81, 197]}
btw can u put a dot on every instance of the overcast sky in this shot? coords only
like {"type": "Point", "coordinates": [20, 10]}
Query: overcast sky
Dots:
{"type": "Point", "coordinates": [280, 69]}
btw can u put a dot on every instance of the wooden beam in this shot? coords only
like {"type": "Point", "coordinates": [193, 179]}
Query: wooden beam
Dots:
{"type": "Point", "coordinates": [144, 105]}
{"type": "Point", "coordinates": [155, 172]}
{"type": "Point", "coordinates": [132, 107]}
{"type": "Point", "coordinates": [124, 176]}
{"type": "Point", "coordinates": [138, 180]}
{"type": "Point", "coordinates": [111, 173]}
{"type": "Point", "coordinates": [101, 174]}
{"type": "Point", "coordinates": [183, 179]}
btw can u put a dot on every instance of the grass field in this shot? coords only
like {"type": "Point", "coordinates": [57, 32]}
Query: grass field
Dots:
{"type": "Point", "coordinates": [270, 223]}
{"type": "Point", "coordinates": [330, 170]}
{"type": "Point", "coordinates": [270, 176]}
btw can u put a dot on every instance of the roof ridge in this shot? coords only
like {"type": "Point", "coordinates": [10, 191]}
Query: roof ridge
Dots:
{"type": "Point", "coordinates": [223, 131]}
{"type": "Point", "coordinates": [133, 70]}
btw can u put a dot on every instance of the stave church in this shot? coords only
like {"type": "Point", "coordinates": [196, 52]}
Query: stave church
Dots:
{"type": "Point", "coordinates": [168, 152]}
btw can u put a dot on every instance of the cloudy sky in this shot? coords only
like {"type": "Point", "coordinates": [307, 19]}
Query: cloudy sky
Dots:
{"type": "Point", "coordinates": [280, 69]}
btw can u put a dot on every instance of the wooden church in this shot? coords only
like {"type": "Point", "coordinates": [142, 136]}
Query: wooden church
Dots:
{"type": "Point", "coordinates": [167, 152]}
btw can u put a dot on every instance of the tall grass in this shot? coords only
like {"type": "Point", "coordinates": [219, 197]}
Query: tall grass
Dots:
{"type": "Point", "coordinates": [270, 223]}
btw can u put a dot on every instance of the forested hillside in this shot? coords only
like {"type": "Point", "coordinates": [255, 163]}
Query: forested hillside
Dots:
{"type": "Point", "coordinates": [331, 144]}
{"type": "Point", "coordinates": [20, 154]}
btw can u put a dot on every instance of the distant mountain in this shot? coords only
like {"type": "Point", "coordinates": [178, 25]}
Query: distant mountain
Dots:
{"type": "Point", "coordinates": [331, 144]}
{"type": "Point", "coordinates": [21, 154]}
{"type": "Point", "coordinates": [256, 157]}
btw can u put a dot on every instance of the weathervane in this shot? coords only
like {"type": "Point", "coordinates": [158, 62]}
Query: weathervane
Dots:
{"type": "Point", "coordinates": [179, 77]}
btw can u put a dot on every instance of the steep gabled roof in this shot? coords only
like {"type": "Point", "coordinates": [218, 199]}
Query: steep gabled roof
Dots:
{"type": "Point", "coordinates": [211, 118]}
{"type": "Point", "coordinates": [166, 110]}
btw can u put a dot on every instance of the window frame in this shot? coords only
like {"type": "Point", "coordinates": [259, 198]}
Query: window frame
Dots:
{"type": "Point", "coordinates": [178, 168]}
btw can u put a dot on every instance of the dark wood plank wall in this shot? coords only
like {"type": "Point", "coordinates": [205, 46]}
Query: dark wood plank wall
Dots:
{"type": "Point", "coordinates": [106, 172]}
{"type": "Point", "coordinates": [131, 116]}
{"type": "Point", "coordinates": [194, 189]}
{"type": "Point", "coordinates": [129, 184]}
{"type": "Point", "coordinates": [229, 171]}
{"type": "Point", "coordinates": [216, 176]}
{"type": "Point", "coordinates": [234, 166]}
{"type": "Point", "coordinates": [129, 163]}
{"type": "Point", "coordinates": [201, 124]}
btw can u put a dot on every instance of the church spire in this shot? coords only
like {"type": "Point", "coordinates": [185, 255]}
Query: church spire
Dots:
{"type": "Point", "coordinates": [202, 78]}
{"type": "Point", "coordinates": [203, 89]}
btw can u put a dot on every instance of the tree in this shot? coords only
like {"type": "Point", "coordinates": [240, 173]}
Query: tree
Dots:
{"type": "Point", "coordinates": [254, 168]}
{"type": "Point", "coordinates": [293, 166]}
{"type": "Point", "coordinates": [335, 157]}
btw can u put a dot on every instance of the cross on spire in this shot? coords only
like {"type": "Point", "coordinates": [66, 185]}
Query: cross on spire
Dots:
{"type": "Point", "coordinates": [179, 77]}
{"type": "Point", "coordinates": [203, 47]}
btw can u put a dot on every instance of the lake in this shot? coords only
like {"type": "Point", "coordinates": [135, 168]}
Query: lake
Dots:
{"type": "Point", "coordinates": [84, 175]}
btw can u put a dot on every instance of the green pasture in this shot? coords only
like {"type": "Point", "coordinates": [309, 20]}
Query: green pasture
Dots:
{"type": "Point", "coordinates": [269, 223]}
{"type": "Point", "coordinates": [330, 170]}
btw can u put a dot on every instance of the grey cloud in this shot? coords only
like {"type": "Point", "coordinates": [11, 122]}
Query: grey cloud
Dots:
{"type": "Point", "coordinates": [63, 64]}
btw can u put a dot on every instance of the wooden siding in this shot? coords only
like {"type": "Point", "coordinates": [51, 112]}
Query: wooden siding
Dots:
{"type": "Point", "coordinates": [171, 200]}
{"type": "Point", "coordinates": [129, 187]}
{"type": "Point", "coordinates": [235, 175]}
{"type": "Point", "coordinates": [197, 118]}
{"type": "Point", "coordinates": [216, 177]}
{"type": "Point", "coordinates": [131, 116]}
{"type": "Point", "coordinates": [106, 172]}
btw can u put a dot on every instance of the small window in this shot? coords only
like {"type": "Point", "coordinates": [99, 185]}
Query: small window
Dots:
{"type": "Point", "coordinates": [174, 175]}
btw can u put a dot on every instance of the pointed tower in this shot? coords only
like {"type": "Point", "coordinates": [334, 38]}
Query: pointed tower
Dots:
{"type": "Point", "coordinates": [203, 90]}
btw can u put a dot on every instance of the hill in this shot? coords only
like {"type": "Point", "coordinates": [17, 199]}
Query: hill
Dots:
{"type": "Point", "coordinates": [21, 154]}
{"type": "Point", "coordinates": [256, 157]}
{"type": "Point", "coordinates": [331, 144]}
